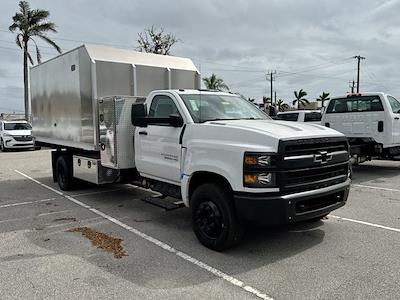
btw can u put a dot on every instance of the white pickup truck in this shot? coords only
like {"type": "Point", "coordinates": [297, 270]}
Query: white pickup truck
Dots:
{"type": "Point", "coordinates": [371, 121]}
{"type": "Point", "coordinates": [217, 152]}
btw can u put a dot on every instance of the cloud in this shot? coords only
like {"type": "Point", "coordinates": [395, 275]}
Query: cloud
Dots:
{"type": "Point", "coordinates": [224, 37]}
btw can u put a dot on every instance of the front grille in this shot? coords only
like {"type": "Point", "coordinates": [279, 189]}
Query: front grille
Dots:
{"type": "Point", "coordinates": [23, 138]}
{"type": "Point", "coordinates": [303, 172]}
{"type": "Point", "coordinates": [312, 146]}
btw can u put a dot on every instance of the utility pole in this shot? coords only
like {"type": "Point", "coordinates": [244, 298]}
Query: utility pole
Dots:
{"type": "Point", "coordinates": [352, 84]}
{"type": "Point", "coordinates": [270, 77]}
{"type": "Point", "coordinates": [359, 58]}
{"type": "Point", "coordinates": [275, 98]}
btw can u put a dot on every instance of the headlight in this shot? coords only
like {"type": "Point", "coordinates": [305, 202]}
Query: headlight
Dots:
{"type": "Point", "coordinates": [259, 180]}
{"type": "Point", "coordinates": [258, 160]}
{"type": "Point", "coordinates": [6, 134]}
{"type": "Point", "coordinates": [258, 170]}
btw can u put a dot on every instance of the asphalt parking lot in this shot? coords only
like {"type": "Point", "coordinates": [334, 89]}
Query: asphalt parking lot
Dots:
{"type": "Point", "coordinates": [353, 254]}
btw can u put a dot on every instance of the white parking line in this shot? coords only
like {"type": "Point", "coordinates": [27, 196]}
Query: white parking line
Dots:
{"type": "Point", "coordinates": [27, 202]}
{"type": "Point", "coordinates": [232, 280]}
{"type": "Point", "coordinates": [376, 188]}
{"type": "Point", "coordinates": [366, 223]}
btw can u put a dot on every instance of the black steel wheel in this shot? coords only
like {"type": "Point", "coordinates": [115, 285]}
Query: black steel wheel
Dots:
{"type": "Point", "coordinates": [214, 219]}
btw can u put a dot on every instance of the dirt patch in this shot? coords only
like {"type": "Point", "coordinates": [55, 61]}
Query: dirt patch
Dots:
{"type": "Point", "coordinates": [65, 219]}
{"type": "Point", "coordinates": [102, 241]}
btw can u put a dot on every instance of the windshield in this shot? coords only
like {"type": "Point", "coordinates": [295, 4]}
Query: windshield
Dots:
{"type": "Point", "coordinates": [208, 107]}
{"type": "Point", "coordinates": [17, 126]}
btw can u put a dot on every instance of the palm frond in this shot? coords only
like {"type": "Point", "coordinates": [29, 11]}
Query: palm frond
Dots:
{"type": "Point", "coordinates": [38, 15]}
{"type": "Point", "coordinates": [50, 42]}
{"type": "Point", "coordinates": [24, 7]}
{"type": "Point", "coordinates": [42, 28]}
{"type": "Point", "coordinates": [18, 41]}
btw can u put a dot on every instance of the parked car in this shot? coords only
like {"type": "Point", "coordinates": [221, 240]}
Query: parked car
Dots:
{"type": "Point", "coordinates": [371, 122]}
{"type": "Point", "coordinates": [16, 135]}
{"type": "Point", "coordinates": [313, 116]}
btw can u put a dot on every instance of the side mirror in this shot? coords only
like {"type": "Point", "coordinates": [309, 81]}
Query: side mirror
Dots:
{"type": "Point", "coordinates": [175, 120]}
{"type": "Point", "coordinates": [138, 115]}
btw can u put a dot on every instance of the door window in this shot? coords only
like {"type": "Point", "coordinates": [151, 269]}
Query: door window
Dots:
{"type": "Point", "coordinates": [162, 107]}
{"type": "Point", "coordinates": [394, 104]}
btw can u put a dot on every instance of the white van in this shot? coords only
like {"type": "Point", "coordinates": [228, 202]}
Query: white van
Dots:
{"type": "Point", "coordinates": [15, 135]}
{"type": "Point", "coordinates": [313, 116]}
{"type": "Point", "coordinates": [371, 121]}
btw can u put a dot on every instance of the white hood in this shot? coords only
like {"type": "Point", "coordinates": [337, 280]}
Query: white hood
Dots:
{"type": "Point", "coordinates": [281, 129]}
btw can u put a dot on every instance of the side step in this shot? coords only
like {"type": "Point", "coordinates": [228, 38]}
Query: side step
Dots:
{"type": "Point", "coordinates": [164, 202]}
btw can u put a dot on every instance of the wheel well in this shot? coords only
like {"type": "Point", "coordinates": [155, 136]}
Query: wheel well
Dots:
{"type": "Point", "coordinates": [201, 177]}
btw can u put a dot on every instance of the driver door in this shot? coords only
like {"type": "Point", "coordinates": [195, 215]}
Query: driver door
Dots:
{"type": "Point", "coordinates": [158, 152]}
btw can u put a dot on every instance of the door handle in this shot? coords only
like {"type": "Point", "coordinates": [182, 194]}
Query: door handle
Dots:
{"type": "Point", "coordinates": [143, 132]}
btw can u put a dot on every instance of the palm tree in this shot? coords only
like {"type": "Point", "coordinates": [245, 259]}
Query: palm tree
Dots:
{"type": "Point", "coordinates": [281, 105]}
{"type": "Point", "coordinates": [266, 100]}
{"type": "Point", "coordinates": [215, 83]}
{"type": "Point", "coordinates": [323, 97]}
{"type": "Point", "coordinates": [299, 98]}
{"type": "Point", "coordinates": [29, 23]}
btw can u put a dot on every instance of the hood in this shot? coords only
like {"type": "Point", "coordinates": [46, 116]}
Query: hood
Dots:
{"type": "Point", "coordinates": [281, 129]}
{"type": "Point", "coordinates": [18, 132]}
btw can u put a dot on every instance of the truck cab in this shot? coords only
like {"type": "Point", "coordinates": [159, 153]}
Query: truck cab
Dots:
{"type": "Point", "coordinates": [371, 121]}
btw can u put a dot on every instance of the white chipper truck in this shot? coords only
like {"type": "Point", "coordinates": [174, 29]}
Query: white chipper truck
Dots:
{"type": "Point", "coordinates": [217, 152]}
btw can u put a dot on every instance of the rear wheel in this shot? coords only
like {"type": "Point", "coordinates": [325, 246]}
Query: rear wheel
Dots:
{"type": "Point", "coordinates": [64, 174]}
{"type": "Point", "coordinates": [214, 219]}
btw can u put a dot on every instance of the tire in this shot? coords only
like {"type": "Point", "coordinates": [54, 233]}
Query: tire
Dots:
{"type": "Point", "coordinates": [2, 147]}
{"type": "Point", "coordinates": [64, 175]}
{"type": "Point", "coordinates": [214, 219]}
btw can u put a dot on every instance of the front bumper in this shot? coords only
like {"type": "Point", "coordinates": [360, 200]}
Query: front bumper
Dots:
{"type": "Point", "coordinates": [10, 143]}
{"type": "Point", "coordinates": [278, 209]}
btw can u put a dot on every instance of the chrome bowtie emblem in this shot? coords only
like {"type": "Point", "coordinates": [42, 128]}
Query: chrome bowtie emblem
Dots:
{"type": "Point", "coordinates": [322, 157]}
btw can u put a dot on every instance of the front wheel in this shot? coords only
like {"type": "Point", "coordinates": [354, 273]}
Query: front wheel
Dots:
{"type": "Point", "coordinates": [2, 147]}
{"type": "Point", "coordinates": [214, 219]}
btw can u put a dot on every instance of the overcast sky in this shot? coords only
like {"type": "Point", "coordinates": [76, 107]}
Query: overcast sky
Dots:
{"type": "Point", "coordinates": [310, 43]}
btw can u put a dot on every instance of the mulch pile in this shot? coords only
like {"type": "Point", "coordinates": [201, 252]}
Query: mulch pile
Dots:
{"type": "Point", "coordinates": [102, 241]}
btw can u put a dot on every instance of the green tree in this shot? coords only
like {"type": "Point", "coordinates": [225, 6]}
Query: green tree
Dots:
{"type": "Point", "coordinates": [215, 83]}
{"type": "Point", "coordinates": [300, 100]}
{"type": "Point", "coordinates": [323, 97]}
{"type": "Point", "coordinates": [29, 23]}
{"type": "Point", "coordinates": [152, 40]}
{"type": "Point", "coordinates": [281, 105]}
{"type": "Point", "coordinates": [266, 100]}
